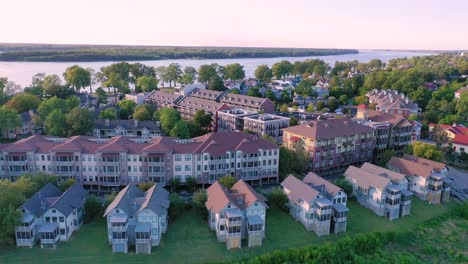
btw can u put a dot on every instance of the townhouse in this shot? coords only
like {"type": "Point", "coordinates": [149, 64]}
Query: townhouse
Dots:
{"type": "Point", "coordinates": [51, 216]}
{"type": "Point", "coordinates": [105, 128]}
{"type": "Point", "coordinates": [380, 190]}
{"type": "Point", "coordinates": [188, 106]}
{"type": "Point", "coordinates": [389, 101]}
{"type": "Point", "coordinates": [138, 98]}
{"type": "Point", "coordinates": [251, 121]}
{"type": "Point", "coordinates": [236, 214]}
{"type": "Point", "coordinates": [332, 144]}
{"type": "Point", "coordinates": [137, 218]}
{"type": "Point", "coordinates": [427, 179]}
{"type": "Point", "coordinates": [106, 164]}
{"type": "Point", "coordinates": [161, 99]}
{"type": "Point", "coordinates": [187, 89]}
{"type": "Point", "coordinates": [258, 104]}
{"type": "Point", "coordinates": [392, 131]}
{"type": "Point", "coordinates": [317, 203]}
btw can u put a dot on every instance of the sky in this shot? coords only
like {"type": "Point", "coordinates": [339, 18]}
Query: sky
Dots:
{"type": "Point", "coordinates": [359, 24]}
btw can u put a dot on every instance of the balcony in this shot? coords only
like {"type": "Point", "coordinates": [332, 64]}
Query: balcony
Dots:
{"type": "Point", "coordinates": [233, 234]}
{"type": "Point", "coordinates": [118, 228]}
{"type": "Point", "coordinates": [119, 240]}
{"type": "Point", "coordinates": [24, 228]}
{"type": "Point", "coordinates": [116, 183]}
{"type": "Point", "coordinates": [143, 240]}
{"type": "Point", "coordinates": [50, 240]}
{"type": "Point", "coordinates": [234, 222]}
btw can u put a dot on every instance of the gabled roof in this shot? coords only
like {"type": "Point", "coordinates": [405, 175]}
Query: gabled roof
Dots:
{"type": "Point", "coordinates": [126, 124]}
{"type": "Point", "coordinates": [365, 179]}
{"type": "Point", "coordinates": [74, 197]}
{"type": "Point", "coordinates": [250, 195]}
{"type": "Point", "coordinates": [409, 168]}
{"type": "Point", "coordinates": [132, 200]}
{"type": "Point", "coordinates": [299, 190]}
{"type": "Point", "coordinates": [39, 203]}
{"type": "Point", "coordinates": [392, 175]}
{"type": "Point", "coordinates": [217, 197]}
{"type": "Point", "coordinates": [437, 166]}
{"type": "Point", "coordinates": [325, 187]}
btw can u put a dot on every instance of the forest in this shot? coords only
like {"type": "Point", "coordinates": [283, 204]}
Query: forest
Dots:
{"type": "Point", "coordinates": [67, 53]}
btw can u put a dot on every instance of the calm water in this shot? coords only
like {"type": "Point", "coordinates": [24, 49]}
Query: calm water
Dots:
{"type": "Point", "coordinates": [22, 72]}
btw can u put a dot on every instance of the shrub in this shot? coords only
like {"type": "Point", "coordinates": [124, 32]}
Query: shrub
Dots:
{"type": "Point", "coordinates": [145, 186]}
{"type": "Point", "coordinates": [227, 181]}
{"type": "Point", "coordinates": [93, 208]}
{"type": "Point", "coordinates": [279, 198]}
{"type": "Point", "coordinates": [345, 185]}
{"type": "Point", "coordinates": [177, 205]}
{"type": "Point", "coordinates": [198, 201]}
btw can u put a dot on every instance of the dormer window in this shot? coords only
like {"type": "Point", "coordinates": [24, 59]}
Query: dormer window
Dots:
{"type": "Point", "coordinates": [240, 200]}
{"type": "Point", "coordinates": [54, 211]}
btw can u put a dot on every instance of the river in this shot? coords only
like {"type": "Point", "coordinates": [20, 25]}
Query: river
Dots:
{"type": "Point", "coordinates": [22, 72]}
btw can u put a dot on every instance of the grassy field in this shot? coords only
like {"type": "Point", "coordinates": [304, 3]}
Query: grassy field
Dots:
{"type": "Point", "coordinates": [189, 239]}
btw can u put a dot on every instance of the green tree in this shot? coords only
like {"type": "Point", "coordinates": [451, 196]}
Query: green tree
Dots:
{"type": "Point", "coordinates": [195, 129]}
{"type": "Point", "coordinates": [439, 136]}
{"type": "Point", "coordinates": [180, 130]}
{"type": "Point", "coordinates": [385, 157]}
{"type": "Point", "coordinates": [143, 113]}
{"type": "Point", "coordinates": [282, 69]}
{"type": "Point", "coordinates": [270, 138]}
{"type": "Point", "coordinates": [293, 121]}
{"type": "Point", "coordinates": [344, 99]}
{"type": "Point", "coordinates": [55, 124]}
{"type": "Point", "coordinates": [270, 95]}
{"type": "Point", "coordinates": [320, 105]}
{"type": "Point", "coordinates": [310, 108]}
{"type": "Point", "coordinates": [80, 121]}
{"type": "Point", "coordinates": [360, 100]}
{"type": "Point", "coordinates": [345, 185]}
{"type": "Point", "coordinates": [176, 206]}
{"type": "Point", "coordinates": [198, 201]}
{"type": "Point", "coordinates": [189, 75]}
{"type": "Point", "coordinates": [77, 77]}
{"type": "Point", "coordinates": [174, 72]}
{"type": "Point", "coordinates": [147, 83]}
{"type": "Point", "coordinates": [304, 88]}
{"type": "Point", "coordinates": [9, 119]}
{"type": "Point", "coordinates": [235, 91]}
{"type": "Point", "coordinates": [279, 198]}
{"type": "Point", "coordinates": [333, 104]}
{"type": "Point", "coordinates": [206, 73]}
{"type": "Point", "coordinates": [174, 183]}
{"type": "Point", "coordinates": [65, 185]}
{"type": "Point", "coordinates": [284, 108]}
{"type": "Point", "coordinates": [23, 102]}
{"type": "Point", "coordinates": [202, 119]}
{"type": "Point", "coordinates": [93, 208]}
{"type": "Point", "coordinates": [9, 219]}
{"type": "Point", "coordinates": [192, 183]}
{"type": "Point", "coordinates": [227, 181]}
{"type": "Point", "coordinates": [109, 113]}
{"type": "Point", "coordinates": [263, 73]}
{"type": "Point", "coordinates": [427, 151]}
{"type": "Point", "coordinates": [216, 83]}
{"type": "Point", "coordinates": [254, 91]}
{"type": "Point", "coordinates": [101, 96]}
{"type": "Point", "coordinates": [234, 71]}
{"type": "Point", "coordinates": [145, 186]}
{"type": "Point", "coordinates": [53, 86]}
{"type": "Point", "coordinates": [168, 118]}
{"type": "Point", "coordinates": [127, 107]}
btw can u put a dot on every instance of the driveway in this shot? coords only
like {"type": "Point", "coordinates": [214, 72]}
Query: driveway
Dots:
{"type": "Point", "coordinates": [460, 177]}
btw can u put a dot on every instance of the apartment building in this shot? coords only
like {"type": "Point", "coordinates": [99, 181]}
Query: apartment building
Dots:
{"type": "Point", "coordinates": [105, 128]}
{"type": "Point", "coordinates": [263, 105]}
{"type": "Point", "coordinates": [317, 203]}
{"type": "Point", "coordinates": [389, 101]}
{"type": "Point", "coordinates": [187, 89]}
{"type": "Point", "coordinates": [188, 106]}
{"type": "Point", "coordinates": [236, 214]}
{"type": "Point", "coordinates": [392, 131]}
{"type": "Point", "coordinates": [427, 179]}
{"type": "Point", "coordinates": [380, 190]}
{"type": "Point", "coordinates": [51, 216]}
{"type": "Point", "coordinates": [207, 94]}
{"type": "Point", "coordinates": [137, 218]}
{"type": "Point", "coordinates": [161, 99]}
{"type": "Point", "coordinates": [332, 144]}
{"type": "Point", "coordinates": [106, 164]}
{"type": "Point", "coordinates": [258, 124]}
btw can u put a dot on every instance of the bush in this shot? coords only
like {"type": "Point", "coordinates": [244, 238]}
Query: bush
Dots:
{"type": "Point", "coordinates": [145, 186]}
{"type": "Point", "coordinates": [227, 181]}
{"type": "Point", "coordinates": [177, 205]}
{"type": "Point", "coordinates": [192, 183]}
{"type": "Point", "coordinates": [175, 184]}
{"type": "Point", "coordinates": [198, 201]}
{"type": "Point", "coordinates": [93, 208]}
{"type": "Point", "coordinates": [279, 198]}
{"type": "Point", "coordinates": [345, 185]}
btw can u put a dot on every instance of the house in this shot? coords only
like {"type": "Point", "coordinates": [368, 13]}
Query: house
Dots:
{"type": "Point", "coordinates": [103, 164]}
{"type": "Point", "coordinates": [51, 216]}
{"type": "Point", "coordinates": [236, 214]}
{"type": "Point", "coordinates": [137, 218]}
{"type": "Point", "coordinates": [187, 89]}
{"type": "Point", "coordinates": [87, 100]}
{"type": "Point", "coordinates": [393, 131]}
{"type": "Point", "coordinates": [309, 200]}
{"type": "Point", "coordinates": [389, 101]}
{"type": "Point", "coordinates": [331, 144]}
{"type": "Point", "coordinates": [138, 98]}
{"type": "Point", "coordinates": [321, 91]}
{"type": "Point", "coordinates": [427, 178]}
{"type": "Point", "coordinates": [458, 135]}
{"type": "Point", "coordinates": [105, 128]}
{"type": "Point", "coordinates": [380, 190]}
{"type": "Point", "coordinates": [232, 84]}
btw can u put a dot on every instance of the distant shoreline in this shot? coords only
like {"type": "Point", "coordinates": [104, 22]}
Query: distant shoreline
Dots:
{"type": "Point", "coordinates": [98, 53]}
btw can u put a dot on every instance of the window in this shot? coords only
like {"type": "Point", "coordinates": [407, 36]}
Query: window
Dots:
{"type": "Point", "coordinates": [177, 157]}
{"type": "Point", "coordinates": [61, 219]}
{"type": "Point", "coordinates": [188, 168]}
{"type": "Point", "coordinates": [188, 157]}
{"type": "Point", "coordinates": [179, 168]}
{"type": "Point", "coordinates": [62, 231]}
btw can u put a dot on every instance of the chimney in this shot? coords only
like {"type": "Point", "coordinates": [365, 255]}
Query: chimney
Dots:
{"type": "Point", "coordinates": [107, 122]}
{"type": "Point", "coordinates": [135, 123]}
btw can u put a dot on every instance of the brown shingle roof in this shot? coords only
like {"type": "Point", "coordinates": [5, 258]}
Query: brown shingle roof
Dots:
{"type": "Point", "coordinates": [218, 196]}
{"type": "Point", "coordinates": [365, 179]}
{"type": "Point", "coordinates": [299, 190]}
{"type": "Point", "coordinates": [317, 182]}
{"type": "Point", "coordinates": [250, 195]}
{"type": "Point", "coordinates": [437, 166]}
{"type": "Point", "coordinates": [409, 168]}
{"type": "Point", "coordinates": [392, 175]}
{"type": "Point", "coordinates": [325, 129]}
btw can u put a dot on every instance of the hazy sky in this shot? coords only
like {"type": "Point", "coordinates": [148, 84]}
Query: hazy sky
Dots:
{"type": "Point", "coordinates": [378, 24]}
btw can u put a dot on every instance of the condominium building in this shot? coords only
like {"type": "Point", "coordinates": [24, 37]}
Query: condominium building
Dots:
{"type": "Point", "coordinates": [207, 94]}
{"type": "Point", "coordinates": [392, 131]}
{"type": "Point", "coordinates": [188, 106]}
{"type": "Point", "coordinates": [236, 214]}
{"type": "Point", "coordinates": [264, 105]}
{"type": "Point", "coordinates": [332, 144]}
{"type": "Point", "coordinates": [51, 216]}
{"type": "Point", "coordinates": [380, 190]}
{"type": "Point", "coordinates": [161, 99]}
{"type": "Point", "coordinates": [427, 178]}
{"type": "Point", "coordinates": [107, 164]}
{"type": "Point", "coordinates": [389, 101]}
{"type": "Point", "coordinates": [105, 128]}
{"type": "Point", "coordinates": [309, 204]}
{"type": "Point", "coordinates": [251, 121]}
{"type": "Point", "coordinates": [137, 218]}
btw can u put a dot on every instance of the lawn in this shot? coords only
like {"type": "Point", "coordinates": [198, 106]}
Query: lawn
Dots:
{"type": "Point", "coordinates": [189, 239]}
